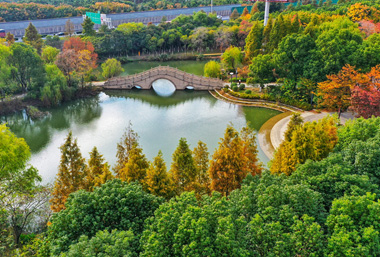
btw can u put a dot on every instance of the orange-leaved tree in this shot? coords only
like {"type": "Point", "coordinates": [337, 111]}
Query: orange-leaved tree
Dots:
{"type": "Point", "coordinates": [235, 157]}
{"type": "Point", "coordinates": [335, 93]}
{"type": "Point", "coordinates": [71, 173]}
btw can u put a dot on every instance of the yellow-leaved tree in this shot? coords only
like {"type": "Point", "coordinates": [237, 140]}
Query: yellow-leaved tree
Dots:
{"type": "Point", "coordinates": [157, 179]}
{"type": "Point", "coordinates": [312, 140]}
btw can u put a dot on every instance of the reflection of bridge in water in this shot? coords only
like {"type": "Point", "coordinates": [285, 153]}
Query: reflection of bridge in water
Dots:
{"type": "Point", "coordinates": [180, 79]}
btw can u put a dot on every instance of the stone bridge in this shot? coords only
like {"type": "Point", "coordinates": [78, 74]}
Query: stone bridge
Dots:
{"type": "Point", "coordinates": [180, 79]}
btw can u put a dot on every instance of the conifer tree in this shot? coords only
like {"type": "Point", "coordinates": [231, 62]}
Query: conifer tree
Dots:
{"type": "Point", "coordinates": [33, 38]}
{"type": "Point", "coordinates": [245, 12]}
{"type": "Point", "coordinates": [295, 121]}
{"type": "Point", "coordinates": [201, 161]}
{"type": "Point", "coordinates": [136, 167]}
{"type": "Point", "coordinates": [71, 173]}
{"type": "Point", "coordinates": [129, 138]}
{"type": "Point", "coordinates": [88, 27]}
{"type": "Point", "coordinates": [227, 167]}
{"type": "Point", "coordinates": [254, 40]}
{"type": "Point", "coordinates": [312, 140]}
{"type": "Point", "coordinates": [276, 34]}
{"type": "Point", "coordinates": [234, 15]}
{"type": "Point", "coordinates": [183, 170]}
{"type": "Point", "coordinates": [254, 9]}
{"type": "Point", "coordinates": [250, 151]}
{"type": "Point", "coordinates": [266, 34]}
{"type": "Point", "coordinates": [98, 171]}
{"type": "Point", "coordinates": [157, 180]}
{"type": "Point", "coordinates": [295, 24]}
{"type": "Point", "coordinates": [320, 3]}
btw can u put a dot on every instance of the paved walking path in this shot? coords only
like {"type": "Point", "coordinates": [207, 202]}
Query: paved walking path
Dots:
{"type": "Point", "coordinates": [278, 130]}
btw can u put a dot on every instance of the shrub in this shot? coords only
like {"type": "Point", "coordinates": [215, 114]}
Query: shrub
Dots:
{"type": "Point", "coordinates": [241, 86]}
{"type": "Point", "coordinates": [235, 88]}
{"type": "Point", "coordinates": [248, 92]}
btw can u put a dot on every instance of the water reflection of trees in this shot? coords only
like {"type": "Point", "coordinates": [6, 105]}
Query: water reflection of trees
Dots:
{"type": "Point", "coordinates": [149, 96]}
{"type": "Point", "coordinates": [38, 133]}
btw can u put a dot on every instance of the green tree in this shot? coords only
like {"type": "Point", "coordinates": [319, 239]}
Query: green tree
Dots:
{"type": "Point", "coordinates": [49, 54]}
{"type": "Point", "coordinates": [212, 69]}
{"type": "Point", "coordinates": [88, 27]}
{"type": "Point", "coordinates": [157, 180]}
{"type": "Point", "coordinates": [262, 69]}
{"type": "Point", "coordinates": [254, 40]}
{"type": "Point", "coordinates": [104, 243]}
{"type": "Point", "coordinates": [232, 58]}
{"type": "Point", "coordinates": [201, 161]}
{"type": "Point", "coordinates": [33, 38]}
{"type": "Point", "coordinates": [114, 205]}
{"type": "Point", "coordinates": [71, 173]}
{"type": "Point", "coordinates": [111, 68]}
{"type": "Point", "coordinates": [183, 170]}
{"type": "Point", "coordinates": [55, 89]}
{"type": "Point", "coordinates": [27, 67]}
{"type": "Point", "coordinates": [295, 121]}
{"type": "Point", "coordinates": [354, 226]}
{"type": "Point", "coordinates": [5, 74]}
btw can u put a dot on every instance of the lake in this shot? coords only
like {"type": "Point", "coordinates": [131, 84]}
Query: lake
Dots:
{"type": "Point", "coordinates": [159, 120]}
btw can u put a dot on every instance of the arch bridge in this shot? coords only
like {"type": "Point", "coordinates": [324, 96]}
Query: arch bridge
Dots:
{"type": "Point", "coordinates": [180, 79]}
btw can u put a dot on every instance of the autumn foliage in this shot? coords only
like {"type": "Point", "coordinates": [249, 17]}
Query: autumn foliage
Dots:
{"type": "Point", "coordinates": [350, 88]}
{"type": "Point", "coordinates": [312, 140]}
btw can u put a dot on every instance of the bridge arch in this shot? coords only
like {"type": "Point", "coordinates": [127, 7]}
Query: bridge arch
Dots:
{"type": "Point", "coordinates": [180, 79]}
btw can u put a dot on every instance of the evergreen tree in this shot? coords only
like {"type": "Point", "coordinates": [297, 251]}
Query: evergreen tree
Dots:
{"type": "Point", "coordinates": [136, 167]}
{"type": "Point", "coordinates": [295, 24]}
{"type": "Point", "coordinates": [227, 167]}
{"type": "Point", "coordinates": [201, 161]}
{"type": "Point", "coordinates": [157, 180]}
{"type": "Point", "coordinates": [328, 2]}
{"type": "Point", "coordinates": [98, 171]}
{"type": "Point", "coordinates": [234, 15]}
{"type": "Point", "coordinates": [71, 173]}
{"type": "Point", "coordinates": [250, 151]}
{"type": "Point", "coordinates": [266, 34]}
{"type": "Point", "coordinates": [277, 33]}
{"type": "Point", "coordinates": [299, 3]}
{"type": "Point", "coordinates": [183, 169]}
{"type": "Point", "coordinates": [314, 3]}
{"type": "Point", "coordinates": [320, 3]}
{"type": "Point", "coordinates": [295, 121]}
{"type": "Point", "coordinates": [33, 38]}
{"type": "Point", "coordinates": [129, 138]}
{"type": "Point", "coordinates": [254, 40]}
{"type": "Point", "coordinates": [88, 27]}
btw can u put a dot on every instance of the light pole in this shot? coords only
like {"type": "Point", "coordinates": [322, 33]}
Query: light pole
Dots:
{"type": "Point", "coordinates": [211, 6]}
{"type": "Point", "coordinates": [266, 14]}
{"type": "Point", "coordinates": [231, 73]}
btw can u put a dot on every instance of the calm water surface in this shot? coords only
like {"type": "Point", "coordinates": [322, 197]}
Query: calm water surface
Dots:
{"type": "Point", "coordinates": [160, 121]}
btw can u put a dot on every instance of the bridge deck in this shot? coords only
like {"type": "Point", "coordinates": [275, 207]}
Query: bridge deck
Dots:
{"type": "Point", "coordinates": [179, 78]}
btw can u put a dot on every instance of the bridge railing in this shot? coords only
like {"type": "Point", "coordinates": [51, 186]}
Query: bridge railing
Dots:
{"type": "Point", "coordinates": [166, 70]}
